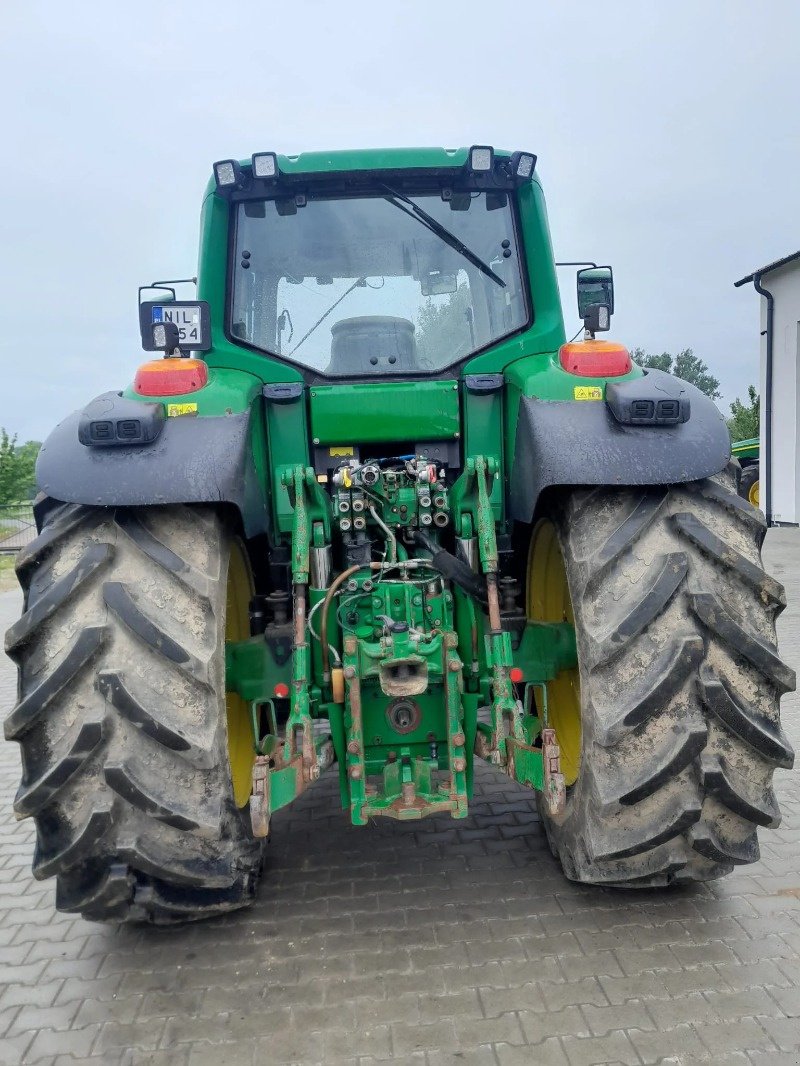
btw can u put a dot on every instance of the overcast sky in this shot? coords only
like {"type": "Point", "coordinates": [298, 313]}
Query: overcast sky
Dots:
{"type": "Point", "coordinates": [667, 136]}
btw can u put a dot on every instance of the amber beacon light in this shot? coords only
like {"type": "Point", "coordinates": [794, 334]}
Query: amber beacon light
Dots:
{"type": "Point", "coordinates": [170, 377]}
{"type": "Point", "coordinates": [595, 359]}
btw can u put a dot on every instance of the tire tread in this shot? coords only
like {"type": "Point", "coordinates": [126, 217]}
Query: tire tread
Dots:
{"type": "Point", "coordinates": [680, 683]}
{"type": "Point", "coordinates": [121, 726]}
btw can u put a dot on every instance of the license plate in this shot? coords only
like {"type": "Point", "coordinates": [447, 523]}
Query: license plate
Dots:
{"type": "Point", "coordinates": [187, 318]}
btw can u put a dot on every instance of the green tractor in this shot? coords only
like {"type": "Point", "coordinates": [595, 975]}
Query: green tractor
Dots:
{"type": "Point", "coordinates": [365, 505]}
{"type": "Point", "coordinates": [747, 453]}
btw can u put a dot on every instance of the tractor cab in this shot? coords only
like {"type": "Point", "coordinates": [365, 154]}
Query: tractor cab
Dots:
{"type": "Point", "coordinates": [362, 280]}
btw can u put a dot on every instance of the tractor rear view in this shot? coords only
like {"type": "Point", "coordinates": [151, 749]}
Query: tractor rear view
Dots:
{"type": "Point", "coordinates": [366, 506]}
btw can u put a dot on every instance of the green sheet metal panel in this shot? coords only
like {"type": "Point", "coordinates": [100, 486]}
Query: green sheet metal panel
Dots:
{"type": "Point", "coordinates": [400, 411]}
{"type": "Point", "coordinates": [745, 449]}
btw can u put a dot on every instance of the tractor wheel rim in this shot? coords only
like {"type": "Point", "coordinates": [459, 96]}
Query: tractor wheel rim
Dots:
{"type": "Point", "coordinates": [241, 753]}
{"type": "Point", "coordinates": [549, 600]}
{"type": "Point", "coordinates": [753, 494]}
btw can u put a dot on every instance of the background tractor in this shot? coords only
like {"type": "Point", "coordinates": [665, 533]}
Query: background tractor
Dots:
{"type": "Point", "coordinates": [368, 506]}
{"type": "Point", "coordinates": [747, 453]}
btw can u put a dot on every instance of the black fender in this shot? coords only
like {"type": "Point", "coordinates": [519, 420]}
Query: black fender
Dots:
{"type": "Point", "coordinates": [610, 443]}
{"type": "Point", "coordinates": [178, 460]}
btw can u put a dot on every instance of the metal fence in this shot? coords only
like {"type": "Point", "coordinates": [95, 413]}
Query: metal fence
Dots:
{"type": "Point", "coordinates": [17, 527]}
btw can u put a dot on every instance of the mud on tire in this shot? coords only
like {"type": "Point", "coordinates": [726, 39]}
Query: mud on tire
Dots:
{"type": "Point", "coordinates": [121, 715]}
{"type": "Point", "coordinates": [680, 683]}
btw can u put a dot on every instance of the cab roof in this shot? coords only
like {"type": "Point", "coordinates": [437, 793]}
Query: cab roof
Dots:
{"type": "Point", "coordinates": [366, 159]}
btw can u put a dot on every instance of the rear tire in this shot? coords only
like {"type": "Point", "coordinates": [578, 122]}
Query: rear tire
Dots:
{"type": "Point", "coordinates": [680, 684]}
{"type": "Point", "coordinates": [122, 715]}
{"type": "Point", "coordinates": [749, 484]}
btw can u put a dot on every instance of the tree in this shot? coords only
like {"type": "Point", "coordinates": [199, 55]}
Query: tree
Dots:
{"type": "Point", "coordinates": [684, 365]}
{"type": "Point", "coordinates": [17, 479]}
{"type": "Point", "coordinates": [653, 362]}
{"type": "Point", "coordinates": [744, 422]}
{"type": "Point", "coordinates": [7, 465]}
{"type": "Point", "coordinates": [443, 328]}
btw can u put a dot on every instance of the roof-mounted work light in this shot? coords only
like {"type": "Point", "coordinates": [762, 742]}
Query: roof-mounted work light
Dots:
{"type": "Point", "coordinates": [228, 174]}
{"type": "Point", "coordinates": [265, 165]}
{"type": "Point", "coordinates": [481, 158]}
{"type": "Point", "coordinates": [522, 165]}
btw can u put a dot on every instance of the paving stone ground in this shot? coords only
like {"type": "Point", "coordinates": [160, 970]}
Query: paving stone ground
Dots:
{"type": "Point", "coordinates": [441, 942]}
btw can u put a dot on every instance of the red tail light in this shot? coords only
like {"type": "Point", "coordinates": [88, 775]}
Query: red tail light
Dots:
{"type": "Point", "coordinates": [170, 377]}
{"type": "Point", "coordinates": [595, 359]}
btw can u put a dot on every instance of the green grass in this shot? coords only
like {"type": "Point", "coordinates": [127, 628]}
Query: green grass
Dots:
{"type": "Point", "coordinates": [8, 579]}
{"type": "Point", "coordinates": [13, 518]}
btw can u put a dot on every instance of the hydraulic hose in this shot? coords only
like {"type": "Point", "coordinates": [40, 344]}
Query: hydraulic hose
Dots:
{"type": "Point", "coordinates": [453, 568]}
{"type": "Point", "coordinates": [335, 585]}
{"type": "Point", "coordinates": [333, 588]}
{"type": "Point", "coordinates": [391, 539]}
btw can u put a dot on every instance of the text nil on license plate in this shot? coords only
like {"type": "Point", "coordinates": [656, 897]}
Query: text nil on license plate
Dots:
{"type": "Point", "coordinates": [187, 319]}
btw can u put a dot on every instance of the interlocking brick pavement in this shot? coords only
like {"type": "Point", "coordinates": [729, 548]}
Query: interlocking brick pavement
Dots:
{"type": "Point", "coordinates": [429, 944]}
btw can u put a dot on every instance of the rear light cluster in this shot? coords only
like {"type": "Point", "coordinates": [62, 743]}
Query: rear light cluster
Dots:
{"type": "Point", "coordinates": [595, 359]}
{"type": "Point", "coordinates": [170, 377]}
{"type": "Point", "coordinates": [649, 411]}
{"type": "Point", "coordinates": [103, 431]}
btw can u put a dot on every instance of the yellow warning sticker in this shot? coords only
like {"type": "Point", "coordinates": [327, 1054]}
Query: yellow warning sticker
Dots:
{"type": "Point", "coordinates": [340, 452]}
{"type": "Point", "coordinates": [175, 410]}
{"type": "Point", "coordinates": [588, 392]}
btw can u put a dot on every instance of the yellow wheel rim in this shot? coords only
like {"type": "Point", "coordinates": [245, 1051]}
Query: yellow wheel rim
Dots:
{"type": "Point", "coordinates": [753, 494]}
{"type": "Point", "coordinates": [237, 627]}
{"type": "Point", "coordinates": [548, 600]}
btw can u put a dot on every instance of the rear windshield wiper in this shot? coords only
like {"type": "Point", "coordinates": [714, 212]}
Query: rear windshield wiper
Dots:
{"type": "Point", "coordinates": [398, 199]}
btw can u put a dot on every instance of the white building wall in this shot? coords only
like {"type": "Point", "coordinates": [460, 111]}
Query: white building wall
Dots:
{"type": "Point", "coordinates": [784, 284]}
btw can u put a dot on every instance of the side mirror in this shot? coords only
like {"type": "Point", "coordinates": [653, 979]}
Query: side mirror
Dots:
{"type": "Point", "coordinates": [595, 286]}
{"type": "Point", "coordinates": [191, 318]}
